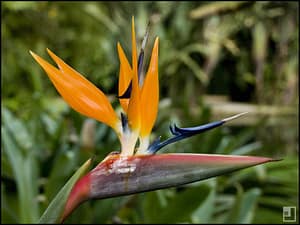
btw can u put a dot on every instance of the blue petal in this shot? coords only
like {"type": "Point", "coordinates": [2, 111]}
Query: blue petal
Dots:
{"type": "Point", "coordinates": [182, 133]}
{"type": "Point", "coordinates": [127, 93]}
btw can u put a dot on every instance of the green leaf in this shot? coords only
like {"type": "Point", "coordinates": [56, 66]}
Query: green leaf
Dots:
{"type": "Point", "coordinates": [22, 170]}
{"type": "Point", "coordinates": [205, 211]}
{"type": "Point", "coordinates": [8, 207]}
{"type": "Point", "coordinates": [244, 207]}
{"type": "Point", "coordinates": [268, 216]}
{"type": "Point", "coordinates": [18, 130]}
{"type": "Point", "coordinates": [191, 198]}
{"type": "Point", "coordinates": [54, 211]}
{"type": "Point", "coordinates": [65, 164]}
{"type": "Point", "coordinates": [178, 209]}
{"type": "Point", "coordinates": [107, 207]}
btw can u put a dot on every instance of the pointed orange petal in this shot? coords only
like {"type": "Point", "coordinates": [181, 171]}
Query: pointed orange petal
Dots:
{"type": "Point", "coordinates": [78, 92]}
{"type": "Point", "coordinates": [125, 76]}
{"type": "Point", "coordinates": [134, 111]}
{"type": "Point", "coordinates": [150, 94]}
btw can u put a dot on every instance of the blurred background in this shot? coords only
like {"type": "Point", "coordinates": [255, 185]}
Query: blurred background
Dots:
{"type": "Point", "coordinates": [216, 59]}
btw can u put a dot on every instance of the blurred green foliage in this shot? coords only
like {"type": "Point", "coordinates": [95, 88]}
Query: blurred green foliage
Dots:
{"type": "Point", "coordinates": [247, 51]}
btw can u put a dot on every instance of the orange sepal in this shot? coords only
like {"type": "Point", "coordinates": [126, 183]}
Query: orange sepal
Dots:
{"type": "Point", "coordinates": [125, 76]}
{"type": "Point", "coordinates": [134, 108]}
{"type": "Point", "coordinates": [150, 94]}
{"type": "Point", "coordinates": [78, 92]}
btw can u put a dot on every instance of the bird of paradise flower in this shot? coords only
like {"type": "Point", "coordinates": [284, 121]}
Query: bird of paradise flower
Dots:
{"type": "Point", "coordinates": [136, 168]}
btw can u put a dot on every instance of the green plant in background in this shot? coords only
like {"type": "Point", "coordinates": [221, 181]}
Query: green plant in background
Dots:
{"type": "Point", "coordinates": [135, 168]}
{"type": "Point", "coordinates": [59, 136]}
